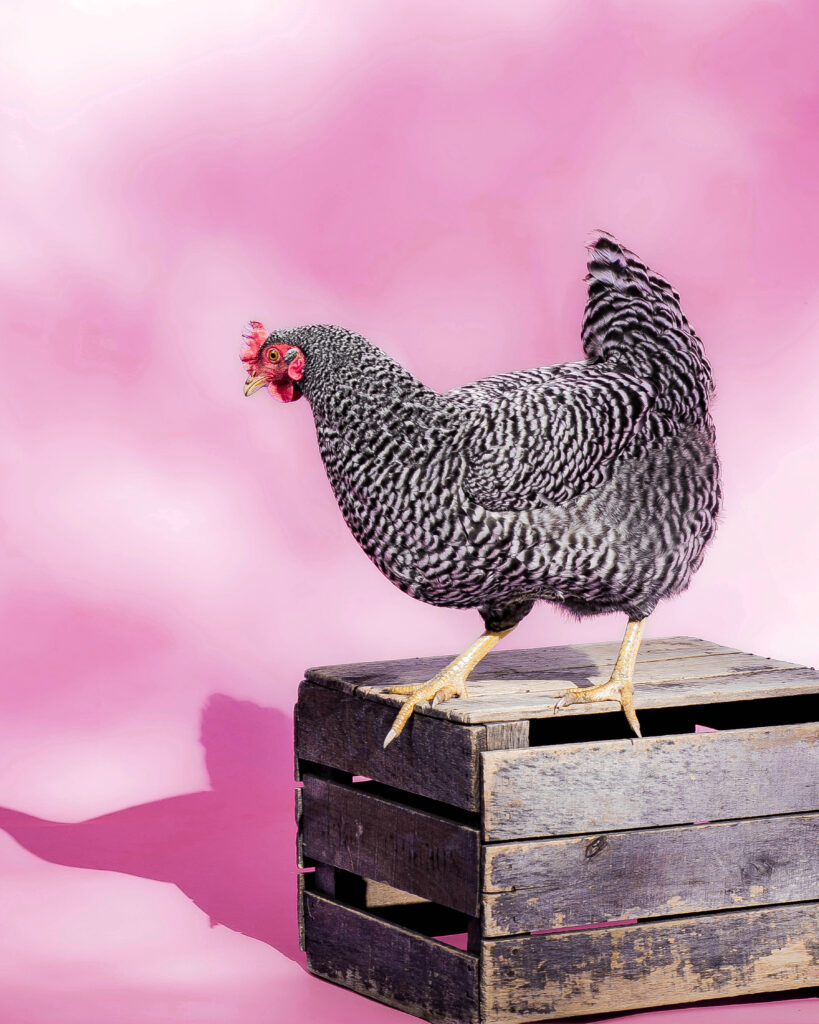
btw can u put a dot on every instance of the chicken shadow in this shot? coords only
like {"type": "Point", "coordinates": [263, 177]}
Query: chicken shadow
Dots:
{"type": "Point", "coordinates": [229, 849]}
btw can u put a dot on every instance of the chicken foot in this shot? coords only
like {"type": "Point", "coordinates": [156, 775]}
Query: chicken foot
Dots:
{"type": "Point", "coordinates": [449, 682]}
{"type": "Point", "coordinates": [620, 686]}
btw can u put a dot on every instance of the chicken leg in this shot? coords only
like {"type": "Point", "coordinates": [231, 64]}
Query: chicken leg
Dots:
{"type": "Point", "coordinates": [620, 686]}
{"type": "Point", "coordinates": [449, 682]}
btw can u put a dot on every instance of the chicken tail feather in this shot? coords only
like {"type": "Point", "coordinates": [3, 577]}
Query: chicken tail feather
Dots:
{"type": "Point", "coordinates": [633, 317]}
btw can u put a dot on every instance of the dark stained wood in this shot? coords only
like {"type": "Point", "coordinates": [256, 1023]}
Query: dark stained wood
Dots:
{"type": "Point", "coordinates": [552, 883]}
{"type": "Point", "coordinates": [301, 888]}
{"type": "Point", "coordinates": [390, 963]}
{"type": "Point", "coordinates": [507, 735]}
{"type": "Point", "coordinates": [323, 879]}
{"type": "Point", "coordinates": [474, 935]}
{"type": "Point", "coordinates": [741, 952]}
{"type": "Point", "coordinates": [379, 839]}
{"type": "Point", "coordinates": [296, 766]}
{"type": "Point", "coordinates": [431, 757]}
{"type": "Point", "coordinates": [578, 788]}
{"type": "Point", "coordinates": [299, 845]}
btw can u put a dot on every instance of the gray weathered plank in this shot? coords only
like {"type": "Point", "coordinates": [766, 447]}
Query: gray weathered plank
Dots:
{"type": "Point", "coordinates": [664, 780]}
{"type": "Point", "coordinates": [431, 757]}
{"type": "Point", "coordinates": [507, 735]}
{"type": "Point", "coordinates": [728, 954]}
{"type": "Point", "coordinates": [503, 664]}
{"type": "Point", "coordinates": [485, 706]}
{"type": "Point", "coordinates": [389, 963]}
{"type": "Point", "coordinates": [412, 850]}
{"type": "Point", "coordinates": [552, 883]}
{"type": "Point", "coordinates": [664, 670]}
{"type": "Point", "coordinates": [657, 684]}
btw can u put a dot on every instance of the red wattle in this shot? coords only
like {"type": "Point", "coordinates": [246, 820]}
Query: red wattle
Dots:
{"type": "Point", "coordinates": [283, 391]}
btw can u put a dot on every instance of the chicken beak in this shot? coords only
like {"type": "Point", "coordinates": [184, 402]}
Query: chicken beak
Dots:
{"type": "Point", "coordinates": [253, 383]}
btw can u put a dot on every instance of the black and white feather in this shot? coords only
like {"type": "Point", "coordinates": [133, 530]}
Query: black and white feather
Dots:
{"type": "Point", "coordinates": [594, 484]}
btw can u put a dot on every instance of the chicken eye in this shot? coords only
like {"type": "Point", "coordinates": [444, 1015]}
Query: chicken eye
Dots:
{"type": "Point", "coordinates": [273, 355]}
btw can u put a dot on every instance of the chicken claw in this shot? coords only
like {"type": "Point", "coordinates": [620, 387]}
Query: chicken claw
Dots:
{"type": "Point", "coordinates": [437, 690]}
{"type": "Point", "coordinates": [617, 688]}
{"type": "Point", "coordinates": [620, 686]}
{"type": "Point", "coordinates": [449, 682]}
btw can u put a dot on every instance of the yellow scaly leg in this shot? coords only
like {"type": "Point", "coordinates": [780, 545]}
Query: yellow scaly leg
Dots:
{"type": "Point", "coordinates": [620, 686]}
{"type": "Point", "coordinates": [449, 682]}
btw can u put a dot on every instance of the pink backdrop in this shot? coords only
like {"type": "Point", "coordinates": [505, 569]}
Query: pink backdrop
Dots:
{"type": "Point", "coordinates": [173, 557]}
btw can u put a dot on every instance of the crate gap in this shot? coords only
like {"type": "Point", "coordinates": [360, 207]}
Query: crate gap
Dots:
{"type": "Point", "coordinates": [673, 721]}
{"type": "Point", "coordinates": [400, 796]}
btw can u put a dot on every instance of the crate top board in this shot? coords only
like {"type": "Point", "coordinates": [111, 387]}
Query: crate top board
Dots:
{"type": "Point", "coordinates": [508, 686]}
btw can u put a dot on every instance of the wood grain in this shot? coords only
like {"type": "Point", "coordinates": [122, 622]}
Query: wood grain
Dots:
{"type": "Point", "coordinates": [380, 894]}
{"type": "Point", "coordinates": [433, 758]}
{"type": "Point", "coordinates": [514, 664]}
{"type": "Point", "coordinates": [299, 845]}
{"type": "Point", "coordinates": [742, 952]}
{"type": "Point", "coordinates": [514, 685]}
{"type": "Point", "coordinates": [552, 883]}
{"type": "Point", "coordinates": [507, 735]}
{"type": "Point", "coordinates": [500, 701]}
{"type": "Point", "coordinates": [301, 888]}
{"type": "Point", "coordinates": [578, 788]}
{"type": "Point", "coordinates": [411, 850]}
{"type": "Point", "coordinates": [389, 963]}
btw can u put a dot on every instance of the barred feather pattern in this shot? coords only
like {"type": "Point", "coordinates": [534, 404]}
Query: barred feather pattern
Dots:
{"type": "Point", "coordinates": [593, 485]}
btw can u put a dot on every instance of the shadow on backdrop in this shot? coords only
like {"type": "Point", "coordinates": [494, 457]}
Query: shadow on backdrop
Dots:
{"type": "Point", "coordinates": [230, 849]}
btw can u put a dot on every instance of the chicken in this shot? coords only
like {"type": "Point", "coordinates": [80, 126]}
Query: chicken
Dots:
{"type": "Point", "coordinates": [592, 485]}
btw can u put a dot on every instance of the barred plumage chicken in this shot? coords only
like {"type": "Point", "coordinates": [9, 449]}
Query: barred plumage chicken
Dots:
{"type": "Point", "coordinates": [593, 485]}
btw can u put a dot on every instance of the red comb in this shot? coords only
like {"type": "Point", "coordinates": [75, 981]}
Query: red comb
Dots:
{"type": "Point", "coordinates": [253, 337]}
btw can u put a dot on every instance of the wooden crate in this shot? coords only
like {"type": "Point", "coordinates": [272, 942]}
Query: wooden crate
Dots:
{"type": "Point", "coordinates": [520, 830]}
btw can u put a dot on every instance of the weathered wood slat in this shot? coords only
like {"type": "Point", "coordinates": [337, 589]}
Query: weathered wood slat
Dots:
{"type": "Point", "coordinates": [578, 788]}
{"type": "Point", "coordinates": [657, 685]}
{"type": "Point", "coordinates": [514, 664]}
{"type": "Point", "coordinates": [301, 888]}
{"type": "Point", "coordinates": [553, 680]}
{"type": "Point", "coordinates": [379, 839]}
{"type": "Point", "coordinates": [507, 735]}
{"type": "Point", "coordinates": [552, 883]}
{"type": "Point", "coordinates": [299, 846]}
{"type": "Point", "coordinates": [435, 759]}
{"type": "Point", "coordinates": [485, 707]}
{"type": "Point", "coordinates": [741, 952]}
{"type": "Point", "coordinates": [380, 894]}
{"type": "Point", "coordinates": [389, 963]}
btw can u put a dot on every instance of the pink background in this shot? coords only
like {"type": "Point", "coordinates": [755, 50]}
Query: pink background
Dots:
{"type": "Point", "coordinates": [172, 555]}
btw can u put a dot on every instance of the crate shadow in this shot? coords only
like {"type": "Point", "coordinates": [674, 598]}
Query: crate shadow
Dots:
{"type": "Point", "coordinates": [229, 849]}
